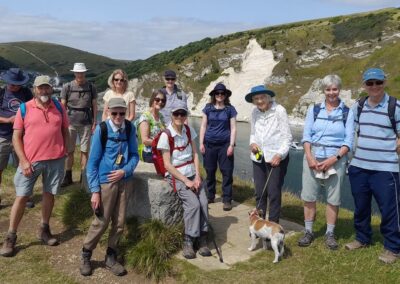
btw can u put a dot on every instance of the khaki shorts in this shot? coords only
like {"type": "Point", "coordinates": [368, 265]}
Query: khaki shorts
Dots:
{"type": "Point", "coordinates": [84, 133]}
{"type": "Point", "coordinates": [332, 185]}
{"type": "Point", "coordinates": [6, 149]}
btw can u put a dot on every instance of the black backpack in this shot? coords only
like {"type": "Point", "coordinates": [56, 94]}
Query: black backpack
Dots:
{"type": "Point", "coordinates": [104, 132]}
{"type": "Point", "coordinates": [317, 109]}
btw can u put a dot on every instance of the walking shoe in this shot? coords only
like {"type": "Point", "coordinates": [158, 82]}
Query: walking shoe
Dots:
{"type": "Point", "coordinates": [188, 251]}
{"type": "Point", "coordinates": [45, 236]}
{"type": "Point", "coordinates": [30, 204]}
{"type": "Point", "coordinates": [67, 179]}
{"type": "Point", "coordinates": [203, 248]}
{"type": "Point", "coordinates": [388, 257]}
{"type": "Point", "coordinates": [227, 206]}
{"type": "Point", "coordinates": [86, 265]}
{"type": "Point", "coordinates": [330, 241]}
{"type": "Point", "coordinates": [8, 248]}
{"type": "Point", "coordinates": [355, 245]}
{"type": "Point", "coordinates": [306, 240]}
{"type": "Point", "coordinates": [111, 263]}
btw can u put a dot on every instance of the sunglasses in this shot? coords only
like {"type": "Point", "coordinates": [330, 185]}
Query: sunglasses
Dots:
{"type": "Point", "coordinates": [119, 80]}
{"type": "Point", "coordinates": [120, 113]}
{"type": "Point", "coordinates": [371, 83]}
{"type": "Point", "coordinates": [170, 79]}
{"type": "Point", "coordinates": [157, 100]}
{"type": "Point", "coordinates": [220, 93]}
{"type": "Point", "coordinates": [180, 113]}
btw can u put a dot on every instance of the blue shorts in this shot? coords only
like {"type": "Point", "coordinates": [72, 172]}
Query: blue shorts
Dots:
{"type": "Point", "coordinates": [52, 172]}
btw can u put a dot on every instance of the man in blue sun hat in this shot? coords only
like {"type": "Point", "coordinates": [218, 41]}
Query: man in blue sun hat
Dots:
{"type": "Point", "coordinates": [11, 96]}
{"type": "Point", "coordinates": [374, 169]}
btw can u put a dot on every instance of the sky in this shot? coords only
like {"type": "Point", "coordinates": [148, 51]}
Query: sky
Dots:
{"type": "Point", "coordinates": [130, 29]}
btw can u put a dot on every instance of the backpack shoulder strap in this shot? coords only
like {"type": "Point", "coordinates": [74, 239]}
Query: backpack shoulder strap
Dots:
{"type": "Point", "coordinates": [128, 129]}
{"type": "Point", "coordinates": [2, 92]}
{"type": "Point", "coordinates": [391, 112]}
{"type": "Point", "coordinates": [171, 140]}
{"type": "Point", "coordinates": [58, 105]}
{"type": "Point", "coordinates": [103, 134]}
{"type": "Point", "coordinates": [360, 106]}
{"type": "Point", "coordinates": [22, 107]}
{"type": "Point", "coordinates": [189, 135]}
{"type": "Point", "coordinates": [316, 109]}
{"type": "Point", "coordinates": [345, 114]}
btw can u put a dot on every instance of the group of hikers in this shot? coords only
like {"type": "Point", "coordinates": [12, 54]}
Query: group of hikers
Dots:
{"type": "Point", "coordinates": [41, 135]}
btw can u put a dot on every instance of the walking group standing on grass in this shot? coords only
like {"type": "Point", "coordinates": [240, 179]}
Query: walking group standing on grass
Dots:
{"type": "Point", "coordinates": [111, 150]}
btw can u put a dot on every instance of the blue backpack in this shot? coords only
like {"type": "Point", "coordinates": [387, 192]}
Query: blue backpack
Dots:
{"type": "Point", "coordinates": [22, 107]}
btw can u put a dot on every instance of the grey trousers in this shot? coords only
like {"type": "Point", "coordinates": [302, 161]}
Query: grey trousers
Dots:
{"type": "Point", "coordinates": [195, 208]}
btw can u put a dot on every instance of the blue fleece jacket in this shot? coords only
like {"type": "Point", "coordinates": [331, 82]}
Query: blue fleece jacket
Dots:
{"type": "Point", "coordinates": [101, 163]}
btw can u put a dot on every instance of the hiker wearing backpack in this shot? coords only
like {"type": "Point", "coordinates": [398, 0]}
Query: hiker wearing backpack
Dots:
{"type": "Point", "coordinates": [374, 168]}
{"type": "Point", "coordinates": [217, 142]}
{"type": "Point", "coordinates": [150, 123]}
{"type": "Point", "coordinates": [11, 97]}
{"type": "Point", "coordinates": [327, 137]}
{"type": "Point", "coordinates": [181, 161]}
{"type": "Point", "coordinates": [113, 158]}
{"type": "Point", "coordinates": [118, 82]}
{"type": "Point", "coordinates": [79, 97]}
{"type": "Point", "coordinates": [174, 95]}
{"type": "Point", "coordinates": [39, 138]}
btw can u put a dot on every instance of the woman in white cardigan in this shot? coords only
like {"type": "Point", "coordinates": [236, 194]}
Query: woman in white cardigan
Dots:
{"type": "Point", "coordinates": [270, 140]}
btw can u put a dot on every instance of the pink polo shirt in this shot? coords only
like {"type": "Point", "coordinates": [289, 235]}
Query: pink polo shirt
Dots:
{"type": "Point", "coordinates": [43, 139]}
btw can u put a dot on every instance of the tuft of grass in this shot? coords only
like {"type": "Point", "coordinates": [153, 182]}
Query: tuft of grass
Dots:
{"type": "Point", "coordinates": [155, 246]}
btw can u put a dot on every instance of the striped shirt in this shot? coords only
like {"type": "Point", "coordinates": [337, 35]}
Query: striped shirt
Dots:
{"type": "Point", "coordinates": [327, 134]}
{"type": "Point", "coordinates": [376, 144]}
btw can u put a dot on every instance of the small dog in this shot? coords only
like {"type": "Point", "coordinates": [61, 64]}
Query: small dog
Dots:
{"type": "Point", "coordinates": [266, 230]}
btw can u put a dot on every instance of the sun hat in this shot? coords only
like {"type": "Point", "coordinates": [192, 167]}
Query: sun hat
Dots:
{"type": "Point", "coordinates": [180, 105]}
{"type": "Point", "coordinates": [220, 87]}
{"type": "Point", "coordinates": [42, 80]}
{"type": "Point", "coordinates": [374, 73]}
{"type": "Point", "coordinates": [116, 102]}
{"type": "Point", "coordinates": [15, 76]}
{"type": "Point", "coordinates": [170, 74]}
{"type": "Point", "coordinates": [257, 90]}
{"type": "Point", "coordinates": [79, 67]}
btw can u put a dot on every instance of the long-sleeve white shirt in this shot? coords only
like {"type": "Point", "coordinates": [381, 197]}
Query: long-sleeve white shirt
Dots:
{"type": "Point", "coordinates": [271, 132]}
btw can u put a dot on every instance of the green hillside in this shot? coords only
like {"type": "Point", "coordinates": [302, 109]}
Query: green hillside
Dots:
{"type": "Point", "coordinates": [49, 58]}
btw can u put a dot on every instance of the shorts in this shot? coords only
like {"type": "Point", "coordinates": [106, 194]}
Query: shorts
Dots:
{"type": "Point", "coordinates": [332, 185]}
{"type": "Point", "coordinates": [84, 133]}
{"type": "Point", "coordinates": [6, 148]}
{"type": "Point", "coordinates": [52, 172]}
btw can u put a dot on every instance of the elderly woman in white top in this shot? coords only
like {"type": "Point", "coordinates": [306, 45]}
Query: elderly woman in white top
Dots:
{"type": "Point", "coordinates": [270, 140]}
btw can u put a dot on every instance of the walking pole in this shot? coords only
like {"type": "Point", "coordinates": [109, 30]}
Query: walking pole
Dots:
{"type": "Point", "coordinates": [265, 187]}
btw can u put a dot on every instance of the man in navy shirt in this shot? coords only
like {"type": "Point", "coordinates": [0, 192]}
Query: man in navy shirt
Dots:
{"type": "Point", "coordinates": [10, 99]}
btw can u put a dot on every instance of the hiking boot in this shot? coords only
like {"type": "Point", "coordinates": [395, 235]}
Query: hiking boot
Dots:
{"type": "Point", "coordinates": [67, 179]}
{"type": "Point", "coordinates": [8, 248]}
{"type": "Point", "coordinates": [203, 248]}
{"type": "Point", "coordinates": [388, 257]}
{"type": "Point", "coordinates": [86, 265]}
{"type": "Point", "coordinates": [45, 236]}
{"type": "Point", "coordinates": [111, 263]}
{"type": "Point", "coordinates": [227, 206]}
{"type": "Point", "coordinates": [188, 251]}
{"type": "Point", "coordinates": [306, 240]}
{"type": "Point", "coordinates": [330, 241]}
{"type": "Point", "coordinates": [30, 204]}
{"type": "Point", "coordinates": [211, 200]}
{"type": "Point", "coordinates": [355, 245]}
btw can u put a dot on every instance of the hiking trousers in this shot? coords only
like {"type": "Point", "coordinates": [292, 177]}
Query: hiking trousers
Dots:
{"type": "Point", "coordinates": [112, 208]}
{"type": "Point", "coordinates": [384, 187]}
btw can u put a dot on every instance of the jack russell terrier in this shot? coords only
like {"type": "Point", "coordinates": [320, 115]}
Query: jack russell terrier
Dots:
{"type": "Point", "coordinates": [266, 230]}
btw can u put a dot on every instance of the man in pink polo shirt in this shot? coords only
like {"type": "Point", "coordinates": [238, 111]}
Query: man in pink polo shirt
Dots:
{"type": "Point", "coordinates": [39, 139]}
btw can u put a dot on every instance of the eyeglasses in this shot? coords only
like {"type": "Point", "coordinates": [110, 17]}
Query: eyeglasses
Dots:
{"type": "Point", "coordinates": [371, 83]}
{"type": "Point", "coordinates": [119, 80]}
{"type": "Point", "coordinates": [157, 100]}
{"type": "Point", "coordinates": [170, 79]}
{"type": "Point", "coordinates": [220, 93]}
{"type": "Point", "coordinates": [180, 113]}
{"type": "Point", "coordinates": [120, 113]}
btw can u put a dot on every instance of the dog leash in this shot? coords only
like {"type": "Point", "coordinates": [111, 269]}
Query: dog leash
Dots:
{"type": "Point", "coordinates": [265, 187]}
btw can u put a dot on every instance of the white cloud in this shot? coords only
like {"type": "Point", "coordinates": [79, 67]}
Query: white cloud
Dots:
{"type": "Point", "coordinates": [122, 40]}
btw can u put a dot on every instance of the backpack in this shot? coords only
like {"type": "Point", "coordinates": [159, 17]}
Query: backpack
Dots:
{"type": "Point", "coordinates": [345, 113]}
{"type": "Point", "coordinates": [87, 110]}
{"type": "Point", "coordinates": [391, 112]}
{"type": "Point", "coordinates": [157, 154]}
{"type": "Point", "coordinates": [22, 107]}
{"type": "Point", "coordinates": [104, 132]}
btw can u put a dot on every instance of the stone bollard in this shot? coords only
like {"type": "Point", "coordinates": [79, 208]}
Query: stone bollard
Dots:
{"type": "Point", "coordinates": [152, 198]}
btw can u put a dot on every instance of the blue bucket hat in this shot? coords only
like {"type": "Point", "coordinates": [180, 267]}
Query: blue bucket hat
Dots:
{"type": "Point", "coordinates": [257, 90]}
{"type": "Point", "coordinates": [374, 74]}
{"type": "Point", "coordinates": [15, 76]}
{"type": "Point", "coordinates": [221, 87]}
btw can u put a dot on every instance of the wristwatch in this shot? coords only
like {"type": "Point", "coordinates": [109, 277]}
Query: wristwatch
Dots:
{"type": "Point", "coordinates": [338, 157]}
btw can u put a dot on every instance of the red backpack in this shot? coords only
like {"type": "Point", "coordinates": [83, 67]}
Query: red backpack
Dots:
{"type": "Point", "coordinates": [157, 154]}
